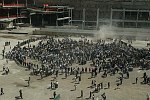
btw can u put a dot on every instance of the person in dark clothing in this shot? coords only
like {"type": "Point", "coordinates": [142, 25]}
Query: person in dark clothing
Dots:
{"type": "Point", "coordinates": [136, 80]}
{"type": "Point", "coordinates": [28, 82]}
{"type": "Point", "coordinates": [75, 86]}
{"type": "Point", "coordinates": [20, 92]}
{"type": "Point", "coordinates": [108, 85]}
{"type": "Point", "coordinates": [51, 85]}
{"type": "Point", "coordinates": [121, 80]}
{"type": "Point", "coordinates": [100, 69]}
{"type": "Point", "coordinates": [90, 94]}
{"type": "Point", "coordinates": [127, 74]}
{"type": "Point", "coordinates": [81, 93]}
{"type": "Point", "coordinates": [101, 84]}
{"type": "Point", "coordinates": [2, 91]}
{"type": "Point", "coordinates": [79, 78]}
{"type": "Point", "coordinates": [29, 79]}
{"type": "Point", "coordinates": [103, 96]}
{"type": "Point", "coordinates": [86, 70]}
{"type": "Point", "coordinates": [93, 97]}
{"type": "Point", "coordinates": [54, 94]}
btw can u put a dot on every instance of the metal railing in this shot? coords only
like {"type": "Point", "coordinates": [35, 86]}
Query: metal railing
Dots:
{"type": "Point", "coordinates": [14, 5]}
{"type": "Point", "coordinates": [12, 16]}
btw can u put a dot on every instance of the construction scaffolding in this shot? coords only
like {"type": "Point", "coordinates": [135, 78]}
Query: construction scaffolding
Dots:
{"type": "Point", "coordinates": [26, 11]}
{"type": "Point", "coordinates": [51, 15]}
{"type": "Point", "coordinates": [134, 18]}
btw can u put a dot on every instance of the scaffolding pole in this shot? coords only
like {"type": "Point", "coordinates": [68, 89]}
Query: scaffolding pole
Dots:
{"type": "Point", "coordinates": [129, 10]}
{"type": "Point", "coordinates": [3, 2]}
{"type": "Point", "coordinates": [8, 14]}
{"type": "Point", "coordinates": [34, 2]}
{"type": "Point", "coordinates": [83, 21]}
{"type": "Point", "coordinates": [56, 19]}
{"type": "Point", "coordinates": [17, 12]}
{"type": "Point", "coordinates": [69, 11]}
{"type": "Point", "coordinates": [71, 17]}
{"type": "Point", "coordinates": [137, 18]}
{"type": "Point", "coordinates": [123, 17]}
{"type": "Point", "coordinates": [63, 16]}
{"type": "Point", "coordinates": [97, 22]}
{"type": "Point", "coordinates": [26, 3]}
{"type": "Point", "coordinates": [42, 20]}
{"type": "Point", "coordinates": [111, 17]}
{"type": "Point", "coordinates": [30, 20]}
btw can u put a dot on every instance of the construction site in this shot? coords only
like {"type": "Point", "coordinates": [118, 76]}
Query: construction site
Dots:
{"type": "Point", "coordinates": [36, 17]}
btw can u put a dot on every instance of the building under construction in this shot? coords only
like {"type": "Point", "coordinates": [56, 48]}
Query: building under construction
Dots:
{"type": "Point", "coordinates": [120, 13]}
{"type": "Point", "coordinates": [93, 13]}
{"type": "Point", "coordinates": [28, 13]}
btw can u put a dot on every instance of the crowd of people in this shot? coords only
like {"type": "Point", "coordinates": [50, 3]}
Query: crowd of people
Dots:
{"type": "Point", "coordinates": [54, 55]}
{"type": "Point", "coordinates": [57, 55]}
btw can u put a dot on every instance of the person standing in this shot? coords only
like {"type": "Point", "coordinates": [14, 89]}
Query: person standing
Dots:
{"type": "Point", "coordinates": [117, 86]}
{"type": "Point", "coordinates": [3, 67]}
{"type": "Point", "coordinates": [7, 61]}
{"type": "Point", "coordinates": [51, 85]}
{"type": "Point", "coordinates": [65, 74]}
{"type": "Point", "coordinates": [79, 78]}
{"type": "Point", "coordinates": [29, 79]}
{"type": "Point", "coordinates": [28, 82]}
{"type": "Point", "coordinates": [101, 85]}
{"type": "Point", "coordinates": [2, 91]}
{"type": "Point", "coordinates": [93, 97]}
{"type": "Point", "coordinates": [121, 79]}
{"type": "Point", "coordinates": [86, 70]}
{"type": "Point", "coordinates": [92, 83]}
{"type": "Point", "coordinates": [20, 92]}
{"type": "Point", "coordinates": [127, 74]}
{"type": "Point", "coordinates": [54, 94]}
{"type": "Point", "coordinates": [3, 53]}
{"type": "Point", "coordinates": [75, 86]}
{"type": "Point", "coordinates": [99, 69]}
{"type": "Point", "coordinates": [90, 94]}
{"type": "Point", "coordinates": [147, 97]}
{"type": "Point", "coordinates": [136, 80]}
{"type": "Point", "coordinates": [108, 85]}
{"type": "Point", "coordinates": [41, 74]}
{"type": "Point", "coordinates": [81, 93]}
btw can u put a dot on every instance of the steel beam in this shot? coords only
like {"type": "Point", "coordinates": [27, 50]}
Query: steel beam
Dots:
{"type": "Point", "coordinates": [121, 20]}
{"type": "Point", "coordinates": [42, 20]}
{"type": "Point", "coordinates": [30, 20]}
{"type": "Point", "coordinates": [137, 18]}
{"type": "Point", "coordinates": [83, 22]}
{"type": "Point", "coordinates": [97, 22]}
{"type": "Point", "coordinates": [124, 16]}
{"type": "Point", "coordinates": [71, 17]}
{"type": "Point", "coordinates": [3, 2]}
{"type": "Point", "coordinates": [26, 3]}
{"type": "Point", "coordinates": [111, 14]}
{"type": "Point", "coordinates": [130, 10]}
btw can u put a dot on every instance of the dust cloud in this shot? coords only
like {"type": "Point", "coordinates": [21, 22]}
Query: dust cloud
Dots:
{"type": "Point", "coordinates": [105, 32]}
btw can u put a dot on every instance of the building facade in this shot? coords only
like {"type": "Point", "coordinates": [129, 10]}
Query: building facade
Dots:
{"type": "Point", "coordinates": [28, 13]}
{"type": "Point", "coordinates": [120, 13]}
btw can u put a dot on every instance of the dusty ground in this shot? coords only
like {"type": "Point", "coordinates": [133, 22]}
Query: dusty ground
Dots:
{"type": "Point", "coordinates": [38, 89]}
